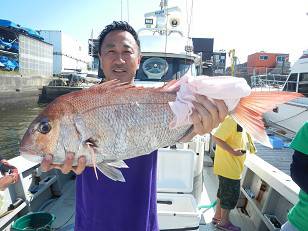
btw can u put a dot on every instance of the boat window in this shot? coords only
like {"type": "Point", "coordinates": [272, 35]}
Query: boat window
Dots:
{"type": "Point", "coordinates": [291, 83]}
{"type": "Point", "coordinates": [155, 67]}
{"type": "Point", "coordinates": [164, 69]}
{"type": "Point", "coordinates": [303, 84]}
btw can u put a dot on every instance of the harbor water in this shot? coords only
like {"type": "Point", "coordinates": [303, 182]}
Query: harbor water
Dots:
{"type": "Point", "coordinates": [14, 120]}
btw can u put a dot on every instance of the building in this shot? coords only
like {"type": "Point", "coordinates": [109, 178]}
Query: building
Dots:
{"type": "Point", "coordinates": [213, 62]}
{"type": "Point", "coordinates": [68, 53]}
{"type": "Point", "coordinates": [23, 52]}
{"type": "Point", "coordinates": [219, 62]}
{"type": "Point", "coordinates": [265, 63]}
{"type": "Point", "coordinates": [204, 47]}
{"type": "Point", "coordinates": [93, 52]}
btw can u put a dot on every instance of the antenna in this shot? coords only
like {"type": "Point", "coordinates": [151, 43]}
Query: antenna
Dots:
{"type": "Point", "coordinates": [92, 47]}
{"type": "Point", "coordinates": [121, 10]}
{"type": "Point", "coordinates": [128, 11]}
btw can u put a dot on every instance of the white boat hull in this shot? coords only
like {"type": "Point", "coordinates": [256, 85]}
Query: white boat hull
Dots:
{"type": "Point", "coordinates": [290, 116]}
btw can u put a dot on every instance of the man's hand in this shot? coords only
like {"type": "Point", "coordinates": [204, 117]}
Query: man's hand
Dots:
{"type": "Point", "coordinates": [206, 116]}
{"type": "Point", "coordinates": [66, 167]}
{"type": "Point", "coordinates": [238, 152]}
{"type": "Point", "coordinates": [7, 180]}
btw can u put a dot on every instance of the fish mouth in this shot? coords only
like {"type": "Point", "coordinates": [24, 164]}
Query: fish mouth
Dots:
{"type": "Point", "coordinates": [31, 154]}
{"type": "Point", "coordinates": [33, 158]}
{"type": "Point", "coordinates": [27, 150]}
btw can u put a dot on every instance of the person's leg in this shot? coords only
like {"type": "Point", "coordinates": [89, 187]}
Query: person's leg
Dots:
{"type": "Point", "coordinates": [229, 194]}
{"type": "Point", "coordinates": [217, 215]}
{"type": "Point", "coordinates": [224, 216]}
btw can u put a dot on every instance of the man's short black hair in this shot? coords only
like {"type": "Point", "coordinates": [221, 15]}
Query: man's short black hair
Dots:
{"type": "Point", "coordinates": [117, 25]}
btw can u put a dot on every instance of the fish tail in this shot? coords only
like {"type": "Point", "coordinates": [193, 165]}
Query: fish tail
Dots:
{"type": "Point", "coordinates": [250, 109]}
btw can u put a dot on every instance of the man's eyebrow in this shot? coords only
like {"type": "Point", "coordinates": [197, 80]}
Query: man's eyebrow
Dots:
{"type": "Point", "coordinates": [127, 46]}
{"type": "Point", "coordinates": [110, 45]}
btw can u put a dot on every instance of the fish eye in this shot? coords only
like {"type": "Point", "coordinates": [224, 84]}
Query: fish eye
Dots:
{"type": "Point", "coordinates": [44, 127]}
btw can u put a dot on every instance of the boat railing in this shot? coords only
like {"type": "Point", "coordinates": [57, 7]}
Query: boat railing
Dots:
{"type": "Point", "coordinates": [161, 31]}
{"type": "Point", "coordinates": [270, 193]}
{"type": "Point", "coordinates": [268, 82]}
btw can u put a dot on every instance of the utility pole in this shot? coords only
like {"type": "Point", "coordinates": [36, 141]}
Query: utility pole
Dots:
{"type": "Point", "coordinates": [233, 58]}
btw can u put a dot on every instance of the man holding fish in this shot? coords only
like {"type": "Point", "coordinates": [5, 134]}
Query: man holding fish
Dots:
{"type": "Point", "coordinates": [105, 204]}
{"type": "Point", "coordinates": [115, 125]}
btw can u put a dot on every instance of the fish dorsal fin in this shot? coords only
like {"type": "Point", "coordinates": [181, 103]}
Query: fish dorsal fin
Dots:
{"type": "Point", "coordinates": [171, 86]}
{"type": "Point", "coordinates": [115, 93]}
{"type": "Point", "coordinates": [111, 85]}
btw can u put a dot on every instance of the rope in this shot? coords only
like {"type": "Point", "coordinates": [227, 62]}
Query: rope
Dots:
{"type": "Point", "coordinates": [290, 117]}
{"type": "Point", "coordinates": [212, 205]}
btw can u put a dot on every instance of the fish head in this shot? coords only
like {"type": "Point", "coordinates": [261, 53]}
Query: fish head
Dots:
{"type": "Point", "coordinates": [44, 133]}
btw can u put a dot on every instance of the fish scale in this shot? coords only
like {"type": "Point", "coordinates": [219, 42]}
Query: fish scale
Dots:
{"type": "Point", "coordinates": [122, 126]}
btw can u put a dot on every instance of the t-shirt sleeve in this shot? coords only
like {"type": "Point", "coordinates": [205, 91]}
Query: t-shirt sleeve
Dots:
{"type": "Point", "coordinates": [300, 142]}
{"type": "Point", "coordinates": [299, 170]}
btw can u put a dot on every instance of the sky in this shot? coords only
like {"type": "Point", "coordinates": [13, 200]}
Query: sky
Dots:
{"type": "Point", "coordinates": [244, 25]}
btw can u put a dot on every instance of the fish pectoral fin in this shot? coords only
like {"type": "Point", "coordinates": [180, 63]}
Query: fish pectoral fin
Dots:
{"type": "Point", "coordinates": [81, 128]}
{"type": "Point", "coordinates": [117, 163]}
{"type": "Point", "coordinates": [110, 171]}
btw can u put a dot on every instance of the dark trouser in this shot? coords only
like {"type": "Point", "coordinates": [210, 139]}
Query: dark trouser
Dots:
{"type": "Point", "coordinates": [228, 192]}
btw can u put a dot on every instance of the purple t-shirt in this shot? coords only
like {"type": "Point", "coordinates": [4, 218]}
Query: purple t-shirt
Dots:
{"type": "Point", "coordinates": [105, 204]}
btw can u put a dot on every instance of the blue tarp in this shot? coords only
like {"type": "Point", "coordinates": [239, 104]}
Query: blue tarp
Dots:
{"type": "Point", "coordinates": [7, 23]}
{"type": "Point", "coordinates": [8, 64]}
{"type": "Point", "coordinates": [32, 33]}
{"type": "Point", "coordinates": [19, 29]}
{"type": "Point", "coordinates": [9, 46]}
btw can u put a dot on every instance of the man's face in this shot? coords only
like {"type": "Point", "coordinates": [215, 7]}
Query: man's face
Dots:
{"type": "Point", "coordinates": [119, 56]}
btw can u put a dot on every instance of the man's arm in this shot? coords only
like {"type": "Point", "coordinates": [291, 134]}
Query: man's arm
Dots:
{"type": "Point", "coordinates": [227, 147]}
{"type": "Point", "coordinates": [299, 170]}
{"type": "Point", "coordinates": [9, 174]}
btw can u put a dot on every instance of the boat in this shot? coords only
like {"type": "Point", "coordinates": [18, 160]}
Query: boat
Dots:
{"type": "Point", "coordinates": [68, 82]}
{"type": "Point", "coordinates": [187, 189]}
{"type": "Point", "coordinates": [162, 61]}
{"type": "Point", "coordinates": [289, 117]}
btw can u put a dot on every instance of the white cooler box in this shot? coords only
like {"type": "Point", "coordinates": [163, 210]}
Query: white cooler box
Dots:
{"type": "Point", "coordinates": [177, 208]}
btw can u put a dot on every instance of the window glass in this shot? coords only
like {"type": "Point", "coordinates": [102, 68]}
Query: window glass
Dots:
{"type": "Point", "coordinates": [263, 57]}
{"type": "Point", "coordinates": [291, 83]}
{"type": "Point", "coordinates": [303, 84]}
{"type": "Point", "coordinates": [280, 59]}
{"type": "Point", "coordinates": [164, 68]}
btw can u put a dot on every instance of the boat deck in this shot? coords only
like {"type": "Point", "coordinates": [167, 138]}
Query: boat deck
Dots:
{"type": "Point", "coordinates": [279, 158]}
{"type": "Point", "coordinates": [63, 208]}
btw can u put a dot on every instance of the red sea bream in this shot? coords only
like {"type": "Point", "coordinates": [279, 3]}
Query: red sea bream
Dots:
{"type": "Point", "coordinates": [111, 122]}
